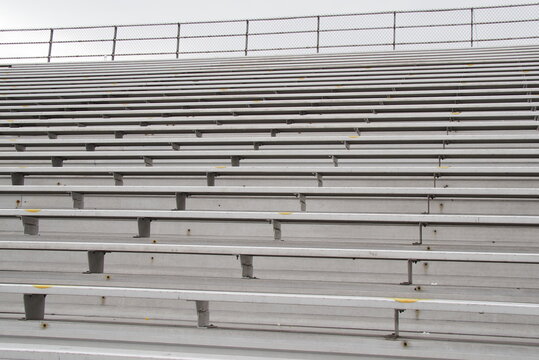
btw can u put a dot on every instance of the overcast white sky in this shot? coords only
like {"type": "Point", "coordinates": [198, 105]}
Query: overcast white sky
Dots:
{"type": "Point", "coordinates": [53, 13]}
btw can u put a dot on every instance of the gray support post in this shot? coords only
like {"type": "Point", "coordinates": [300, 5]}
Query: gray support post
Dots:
{"type": "Point", "coordinates": [143, 227]}
{"type": "Point", "coordinates": [302, 202]}
{"type": "Point", "coordinates": [397, 330]}
{"type": "Point", "coordinates": [90, 147]}
{"type": "Point", "coordinates": [394, 29]}
{"type": "Point", "coordinates": [318, 34]}
{"type": "Point", "coordinates": [471, 27]}
{"type": "Point", "coordinates": [20, 147]}
{"type": "Point", "coordinates": [34, 306]}
{"type": "Point", "coordinates": [273, 132]}
{"type": "Point", "coordinates": [420, 242]}
{"type": "Point", "coordinates": [210, 179]}
{"type": "Point", "coordinates": [235, 161]}
{"type": "Point", "coordinates": [319, 180]}
{"type": "Point", "coordinates": [335, 161]}
{"type": "Point", "coordinates": [346, 145]}
{"type": "Point", "coordinates": [256, 145]}
{"type": "Point", "coordinates": [17, 179]}
{"type": "Point", "coordinates": [114, 42]}
{"type": "Point", "coordinates": [203, 313]}
{"type": "Point", "coordinates": [57, 161]}
{"type": "Point", "coordinates": [276, 229]}
{"type": "Point", "coordinates": [50, 46]}
{"type": "Point", "coordinates": [96, 262]}
{"type": "Point", "coordinates": [30, 225]}
{"type": "Point", "coordinates": [181, 198]}
{"type": "Point", "coordinates": [78, 200]}
{"type": "Point", "coordinates": [410, 273]}
{"type": "Point", "coordinates": [119, 134]}
{"type": "Point", "coordinates": [246, 37]}
{"type": "Point", "coordinates": [175, 146]}
{"type": "Point", "coordinates": [247, 266]}
{"type": "Point", "coordinates": [198, 133]}
{"type": "Point", "coordinates": [148, 161]}
{"type": "Point", "coordinates": [178, 41]}
{"type": "Point", "coordinates": [118, 179]}
{"type": "Point", "coordinates": [52, 135]}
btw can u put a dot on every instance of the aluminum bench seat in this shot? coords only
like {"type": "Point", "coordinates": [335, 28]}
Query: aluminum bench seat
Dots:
{"type": "Point", "coordinates": [198, 130]}
{"type": "Point", "coordinates": [318, 174]}
{"type": "Point", "coordinates": [146, 157]}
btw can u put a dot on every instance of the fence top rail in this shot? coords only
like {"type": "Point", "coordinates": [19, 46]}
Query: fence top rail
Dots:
{"type": "Point", "coordinates": [277, 18]}
{"type": "Point", "coordinates": [277, 251]}
{"type": "Point", "coordinates": [279, 298]}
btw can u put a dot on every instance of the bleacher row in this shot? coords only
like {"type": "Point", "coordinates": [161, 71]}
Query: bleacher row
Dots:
{"type": "Point", "coordinates": [304, 207]}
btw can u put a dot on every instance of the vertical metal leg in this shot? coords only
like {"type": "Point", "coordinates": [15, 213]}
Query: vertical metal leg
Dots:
{"type": "Point", "coordinates": [203, 313]}
{"type": "Point", "coordinates": [20, 147]}
{"type": "Point", "coordinates": [302, 202]}
{"type": "Point", "coordinates": [30, 225]}
{"type": "Point", "coordinates": [276, 229]}
{"type": "Point", "coordinates": [52, 135]}
{"type": "Point", "coordinates": [143, 227]}
{"type": "Point", "coordinates": [78, 200]}
{"type": "Point", "coordinates": [175, 146]}
{"type": "Point", "coordinates": [420, 242]}
{"type": "Point", "coordinates": [34, 306]}
{"type": "Point", "coordinates": [235, 161]}
{"type": "Point", "coordinates": [90, 147]}
{"type": "Point", "coordinates": [57, 161]}
{"type": "Point", "coordinates": [210, 179]}
{"type": "Point", "coordinates": [335, 161]}
{"type": "Point", "coordinates": [181, 200]}
{"type": "Point", "coordinates": [96, 262]}
{"type": "Point", "coordinates": [119, 134]}
{"type": "Point", "coordinates": [118, 179]}
{"type": "Point", "coordinates": [148, 161]}
{"type": "Point", "coordinates": [319, 180]}
{"type": "Point", "coordinates": [247, 266]}
{"type": "Point", "coordinates": [410, 273]}
{"type": "Point", "coordinates": [396, 314]}
{"type": "Point", "coordinates": [17, 179]}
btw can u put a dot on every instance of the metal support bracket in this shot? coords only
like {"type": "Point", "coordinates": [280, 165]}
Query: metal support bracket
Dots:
{"type": "Point", "coordinates": [96, 262]}
{"type": "Point", "coordinates": [247, 266]}
{"type": "Point", "coordinates": [198, 133]}
{"type": "Point", "coordinates": [276, 229]}
{"type": "Point", "coordinates": [90, 147]}
{"type": "Point", "coordinates": [420, 242]}
{"type": "Point", "coordinates": [319, 179]}
{"type": "Point", "coordinates": [410, 273]}
{"type": "Point", "coordinates": [203, 313]}
{"type": "Point", "coordinates": [78, 200]}
{"type": "Point", "coordinates": [118, 179]}
{"type": "Point", "coordinates": [335, 161]}
{"type": "Point", "coordinates": [52, 135]}
{"type": "Point", "coordinates": [302, 202]}
{"type": "Point", "coordinates": [235, 160]}
{"type": "Point", "coordinates": [175, 146]}
{"type": "Point", "coordinates": [210, 179]}
{"type": "Point", "coordinates": [148, 161]}
{"type": "Point", "coordinates": [20, 147]}
{"type": "Point", "coordinates": [181, 198]}
{"type": "Point", "coordinates": [396, 332]}
{"type": "Point", "coordinates": [346, 145]}
{"type": "Point", "coordinates": [57, 161]}
{"type": "Point", "coordinates": [30, 225]}
{"type": "Point", "coordinates": [143, 227]}
{"type": "Point", "coordinates": [119, 134]}
{"type": "Point", "coordinates": [256, 146]}
{"type": "Point", "coordinates": [34, 306]}
{"type": "Point", "coordinates": [17, 179]}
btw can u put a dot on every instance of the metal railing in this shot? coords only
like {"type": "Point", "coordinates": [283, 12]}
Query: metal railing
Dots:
{"type": "Point", "coordinates": [403, 30]}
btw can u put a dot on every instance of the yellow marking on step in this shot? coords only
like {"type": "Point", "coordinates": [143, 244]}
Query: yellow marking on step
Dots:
{"type": "Point", "coordinates": [285, 213]}
{"type": "Point", "coordinates": [32, 210]}
{"type": "Point", "coordinates": [443, 167]}
{"type": "Point", "coordinates": [42, 286]}
{"type": "Point", "coordinates": [456, 113]}
{"type": "Point", "coordinates": [353, 137]}
{"type": "Point", "coordinates": [470, 64]}
{"type": "Point", "coordinates": [220, 167]}
{"type": "Point", "coordinates": [405, 301]}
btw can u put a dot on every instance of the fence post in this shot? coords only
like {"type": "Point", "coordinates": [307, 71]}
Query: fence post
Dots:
{"type": "Point", "coordinates": [50, 46]}
{"type": "Point", "coordinates": [317, 34]}
{"type": "Point", "coordinates": [246, 36]}
{"type": "Point", "coordinates": [114, 42]}
{"type": "Point", "coordinates": [471, 27]}
{"type": "Point", "coordinates": [394, 29]}
{"type": "Point", "coordinates": [178, 41]}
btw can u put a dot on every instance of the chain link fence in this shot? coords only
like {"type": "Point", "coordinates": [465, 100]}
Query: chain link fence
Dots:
{"type": "Point", "coordinates": [379, 31]}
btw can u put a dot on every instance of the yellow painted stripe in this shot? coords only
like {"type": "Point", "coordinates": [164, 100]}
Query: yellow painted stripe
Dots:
{"type": "Point", "coordinates": [32, 210]}
{"type": "Point", "coordinates": [353, 137]}
{"type": "Point", "coordinates": [443, 167]}
{"type": "Point", "coordinates": [406, 301]}
{"type": "Point", "coordinates": [285, 213]}
{"type": "Point", "coordinates": [220, 167]}
{"type": "Point", "coordinates": [42, 286]}
{"type": "Point", "coordinates": [455, 113]}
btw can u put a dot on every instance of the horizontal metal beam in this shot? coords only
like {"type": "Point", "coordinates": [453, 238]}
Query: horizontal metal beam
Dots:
{"type": "Point", "coordinates": [513, 308]}
{"type": "Point", "coordinates": [277, 251]}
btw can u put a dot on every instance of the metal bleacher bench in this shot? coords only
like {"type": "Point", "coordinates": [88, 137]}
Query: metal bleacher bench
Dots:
{"type": "Point", "coordinates": [18, 174]}
{"type": "Point", "coordinates": [34, 300]}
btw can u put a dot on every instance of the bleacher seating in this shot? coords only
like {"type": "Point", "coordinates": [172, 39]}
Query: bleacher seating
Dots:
{"type": "Point", "coordinates": [319, 207]}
